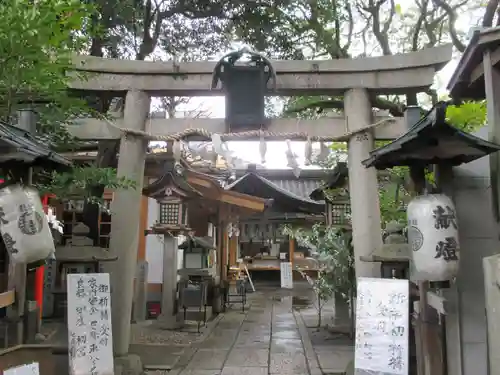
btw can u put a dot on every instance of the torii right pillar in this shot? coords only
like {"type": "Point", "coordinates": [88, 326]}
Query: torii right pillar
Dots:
{"type": "Point", "coordinates": [363, 184]}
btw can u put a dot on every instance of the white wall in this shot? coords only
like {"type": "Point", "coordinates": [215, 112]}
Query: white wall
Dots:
{"type": "Point", "coordinates": [154, 246]}
{"type": "Point", "coordinates": [478, 239]}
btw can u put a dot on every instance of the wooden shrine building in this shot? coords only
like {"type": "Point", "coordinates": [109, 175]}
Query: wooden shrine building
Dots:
{"type": "Point", "coordinates": [261, 243]}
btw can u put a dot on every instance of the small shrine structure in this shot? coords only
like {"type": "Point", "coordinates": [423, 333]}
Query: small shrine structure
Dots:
{"type": "Point", "coordinates": [477, 77]}
{"type": "Point", "coordinates": [20, 152]}
{"type": "Point", "coordinates": [260, 242]}
{"type": "Point", "coordinates": [195, 205]}
{"type": "Point", "coordinates": [435, 144]}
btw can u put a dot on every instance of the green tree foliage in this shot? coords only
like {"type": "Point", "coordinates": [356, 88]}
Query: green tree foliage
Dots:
{"type": "Point", "coordinates": [468, 116]}
{"type": "Point", "coordinates": [37, 40]}
{"type": "Point", "coordinates": [335, 254]}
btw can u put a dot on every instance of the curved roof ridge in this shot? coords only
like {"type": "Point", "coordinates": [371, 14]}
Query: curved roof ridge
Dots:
{"type": "Point", "coordinates": [273, 186]}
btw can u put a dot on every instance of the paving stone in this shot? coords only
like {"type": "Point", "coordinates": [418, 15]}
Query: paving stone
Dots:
{"type": "Point", "coordinates": [285, 325]}
{"type": "Point", "coordinates": [200, 372]}
{"type": "Point", "coordinates": [218, 343]}
{"type": "Point", "coordinates": [256, 327]}
{"type": "Point", "coordinates": [224, 332]}
{"type": "Point", "coordinates": [286, 346]}
{"type": "Point", "coordinates": [288, 363]}
{"type": "Point", "coordinates": [334, 358]}
{"type": "Point", "coordinates": [248, 358]}
{"type": "Point", "coordinates": [244, 371]}
{"type": "Point", "coordinates": [253, 343]}
{"type": "Point", "coordinates": [208, 359]}
{"type": "Point", "coordinates": [288, 334]}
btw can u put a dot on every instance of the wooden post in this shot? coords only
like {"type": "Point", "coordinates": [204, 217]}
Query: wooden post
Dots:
{"type": "Point", "coordinates": [233, 249]}
{"type": "Point", "coordinates": [291, 250]}
{"type": "Point", "coordinates": [225, 248]}
{"type": "Point", "coordinates": [444, 180]}
{"type": "Point", "coordinates": [425, 361]}
{"type": "Point", "coordinates": [17, 281]}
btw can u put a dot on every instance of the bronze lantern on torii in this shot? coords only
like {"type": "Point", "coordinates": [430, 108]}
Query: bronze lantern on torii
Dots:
{"type": "Point", "coordinates": [245, 83]}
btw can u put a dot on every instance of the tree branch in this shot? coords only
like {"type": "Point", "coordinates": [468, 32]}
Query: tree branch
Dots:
{"type": "Point", "coordinates": [395, 109]}
{"type": "Point", "coordinates": [380, 33]}
{"type": "Point", "coordinates": [489, 13]}
{"type": "Point", "coordinates": [419, 24]}
{"type": "Point", "coordinates": [452, 18]}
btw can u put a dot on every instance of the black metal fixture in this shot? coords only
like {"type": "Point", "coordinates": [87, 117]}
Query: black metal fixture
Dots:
{"type": "Point", "coordinates": [172, 192]}
{"type": "Point", "coordinates": [245, 83]}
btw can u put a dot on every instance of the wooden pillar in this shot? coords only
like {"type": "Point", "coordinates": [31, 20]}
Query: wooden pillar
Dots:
{"type": "Point", "coordinates": [224, 252]}
{"type": "Point", "coordinates": [291, 249]}
{"type": "Point", "coordinates": [444, 180]}
{"type": "Point", "coordinates": [143, 225]}
{"type": "Point", "coordinates": [233, 250]}
{"type": "Point", "coordinates": [492, 90]}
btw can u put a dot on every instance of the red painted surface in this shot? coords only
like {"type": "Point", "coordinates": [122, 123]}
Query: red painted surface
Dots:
{"type": "Point", "coordinates": [154, 309]}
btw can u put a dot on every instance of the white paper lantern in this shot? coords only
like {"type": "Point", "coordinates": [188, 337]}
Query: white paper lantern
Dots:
{"type": "Point", "coordinates": [433, 237]}
{"type": "Point", "coordinates": [24, 226]}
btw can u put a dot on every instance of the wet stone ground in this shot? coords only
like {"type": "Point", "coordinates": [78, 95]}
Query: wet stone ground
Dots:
{"type": "Point", "coordinates": [264, 340]}
{"type": "Point", "coordinates": [276, 334]}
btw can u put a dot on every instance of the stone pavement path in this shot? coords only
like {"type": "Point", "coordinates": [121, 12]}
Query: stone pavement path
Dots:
{"type": "Point", "coordinates": [264, 340]}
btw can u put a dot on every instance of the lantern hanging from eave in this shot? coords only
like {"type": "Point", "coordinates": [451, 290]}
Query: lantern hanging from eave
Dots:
{"type": "Point", "coordinates": [433, 237]}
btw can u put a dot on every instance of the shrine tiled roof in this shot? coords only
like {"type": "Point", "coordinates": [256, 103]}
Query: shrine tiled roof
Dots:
{"type": "Point", "coordinates": [17, 145]}
{"type": "Point", "coordinates": [336, 178]}
{"type": "Point", "coordinates": [432, 140]}
{"type": "Point", "coordinates": [293, 193]}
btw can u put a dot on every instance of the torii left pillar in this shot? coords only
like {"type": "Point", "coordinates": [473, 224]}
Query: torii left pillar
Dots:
{"type": "Point", "coordinates": [125, 224]}
{"type": "Point", "coordinates": [363, 184]}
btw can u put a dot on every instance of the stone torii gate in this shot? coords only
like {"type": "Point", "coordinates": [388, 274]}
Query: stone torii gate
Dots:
{"type": "Point", "coordinates": [354, 79]}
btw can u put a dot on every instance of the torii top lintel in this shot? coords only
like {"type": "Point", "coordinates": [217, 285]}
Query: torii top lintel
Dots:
{"type": "Point", "coordinates": [397, 74]}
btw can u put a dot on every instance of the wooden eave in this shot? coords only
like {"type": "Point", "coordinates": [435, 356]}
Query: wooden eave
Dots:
{"type": "Point", "coordinates": [7, 298]}
{"type": "Point", "coordinates": [467, 82]}
{"type": "Point", "coordinates": [253, 183]}
{"type": "Point", "coordinates": [211, 189]}
{"type": "Point", "coordinates": [431, 141]}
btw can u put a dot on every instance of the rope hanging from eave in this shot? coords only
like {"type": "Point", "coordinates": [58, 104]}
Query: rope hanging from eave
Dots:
{"type": "Point", "coordinates": [246, 135]}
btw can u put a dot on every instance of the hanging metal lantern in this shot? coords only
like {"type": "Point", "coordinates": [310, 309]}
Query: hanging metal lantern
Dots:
{"type": "Point", "coordinates": [433, 237]}
{"type": "Point", "coordinates": [245, 84]}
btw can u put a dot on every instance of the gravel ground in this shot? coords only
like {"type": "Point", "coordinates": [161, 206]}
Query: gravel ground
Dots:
{"type": "Point", "coordinates": [149, 334]}
{"type": "Point", "coordinates": [144, 333]}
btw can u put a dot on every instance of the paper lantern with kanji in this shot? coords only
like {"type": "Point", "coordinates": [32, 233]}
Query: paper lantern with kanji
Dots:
{"type": "Point", "coordinates": [433, 237]}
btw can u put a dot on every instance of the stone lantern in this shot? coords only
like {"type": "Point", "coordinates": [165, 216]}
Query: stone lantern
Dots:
{"type": "Point", "coordinates": [172, 192]}
{"type": "Point", "coordinates": [394, 255]}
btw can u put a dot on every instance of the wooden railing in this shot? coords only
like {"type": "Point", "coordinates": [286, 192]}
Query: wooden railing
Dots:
{"type": "Point", "coordinates": [7, 298]}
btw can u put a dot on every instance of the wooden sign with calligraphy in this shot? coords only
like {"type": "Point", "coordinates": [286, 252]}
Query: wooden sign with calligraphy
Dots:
{"type": "Point", "coordinates": [286, 275]}
{"type": "Point", "coordinates": [90, 341]}
{"type": "Point", "coordinates": [382, 327]}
